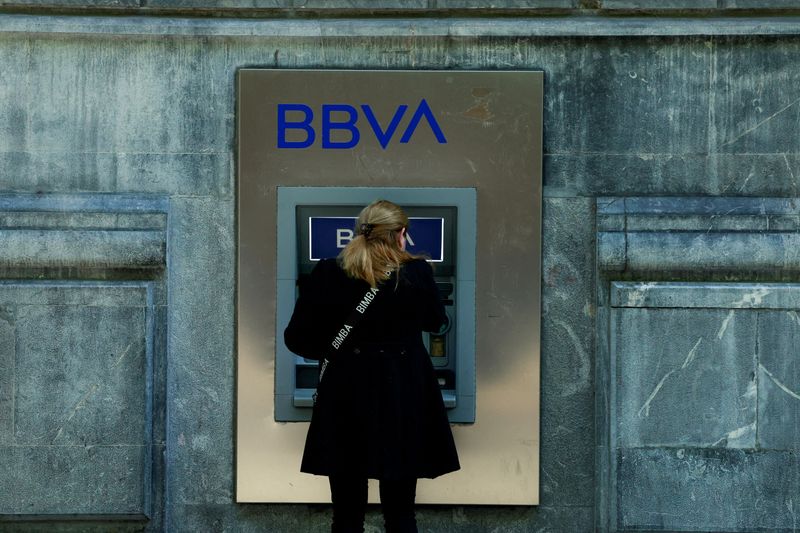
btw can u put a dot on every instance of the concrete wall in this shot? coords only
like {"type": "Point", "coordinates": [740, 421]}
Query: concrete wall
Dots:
{"type": "Point", "coordinates": [117, 318]}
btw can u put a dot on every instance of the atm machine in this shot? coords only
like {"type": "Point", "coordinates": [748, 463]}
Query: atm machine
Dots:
{"type": "Point", "coordinates": [315, 223]}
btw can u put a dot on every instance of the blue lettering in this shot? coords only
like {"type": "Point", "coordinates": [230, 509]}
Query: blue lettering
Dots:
{"type": "Point", "coordinates": [384, 136]}
{"type": "Point", "coordinates": [423, 110]}
{"type": "Point", "coordinates": [328, 125]}
{"type": "Point", "coordinates": [304, 124]}
{"type": "Point", "coordinates": [346, 119]}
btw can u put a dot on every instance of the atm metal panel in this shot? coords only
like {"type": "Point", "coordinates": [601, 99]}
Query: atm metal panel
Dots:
{"type": "Point", "coordinates": [492, 121]}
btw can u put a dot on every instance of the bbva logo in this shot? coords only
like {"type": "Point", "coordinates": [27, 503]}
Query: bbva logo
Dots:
{"type": "Point", "coordinates": [349, 124]}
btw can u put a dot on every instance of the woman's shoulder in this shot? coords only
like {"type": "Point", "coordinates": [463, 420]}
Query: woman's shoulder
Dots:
{"type": "Point", "coordinates": [327, 266]}
{"type": "Point", "coordinates": [417, 264]}
{"type": "Point", "coordinates": [417, 268]}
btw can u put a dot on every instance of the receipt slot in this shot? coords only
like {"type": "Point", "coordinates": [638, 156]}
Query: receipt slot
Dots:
{"type": "Point", "coordinates": [317, 223]}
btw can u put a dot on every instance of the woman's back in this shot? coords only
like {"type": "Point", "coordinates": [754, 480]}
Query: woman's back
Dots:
{"type": "Point", "coordinates": [406, 307]}
{"type": "Point", "coordinates": [379, 412]}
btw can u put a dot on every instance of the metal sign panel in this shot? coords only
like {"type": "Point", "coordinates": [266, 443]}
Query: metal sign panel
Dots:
{"type": "Point", "coordinates": [350, 128]}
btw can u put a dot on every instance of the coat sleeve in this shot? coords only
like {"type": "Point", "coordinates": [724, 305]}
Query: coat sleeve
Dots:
{"type": "Point", "coordinates": [301, 335]}
{"type": "Point", "coordinates": [431, 307]}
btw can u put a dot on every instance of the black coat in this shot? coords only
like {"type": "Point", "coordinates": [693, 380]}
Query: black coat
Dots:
{"type": "Point", "coordinates": [380, 412]}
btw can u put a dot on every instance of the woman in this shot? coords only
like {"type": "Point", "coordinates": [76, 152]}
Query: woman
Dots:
{"type": "Point", "coordinates": [379, 412]}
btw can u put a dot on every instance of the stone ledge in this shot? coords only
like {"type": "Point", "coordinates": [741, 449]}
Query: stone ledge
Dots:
{"type": "Point", "coordinates": [711, 234]}
{"type": "Point", "coordinates": [516, 27]}
{"type": "Point", "coordinates": [82, 231]}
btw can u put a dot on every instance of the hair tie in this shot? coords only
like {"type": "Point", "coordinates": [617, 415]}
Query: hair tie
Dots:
{"type": "Point", "coordinates": [366, 229]}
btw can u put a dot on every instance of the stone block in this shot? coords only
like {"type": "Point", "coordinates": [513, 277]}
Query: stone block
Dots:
{"type": "Point", "coordinates": [690, 489]}
{"type": "Point", "coordinates": [755, 174]}
{"type": "Point", "coordinates": [750, 115]}
{"type": "Point", "coordinates": [84, 381]}
{"type": "Point", "coordinates": [566, 450]}
{"type": "Point", "coordinates": [693, 222]}
{"type": "Point", "coordinates": [160, 326]}
{"type": "Point", "coordinates": [74, 3]}
{"type": "Point", "coordinates": [516, 519]}
{"type": "Point", "coordinates": [784, 223]}
{"type": "Point", "coordinates": [74, 526]}
{"type": "Point", "coordinates": [72, 479]}
{"type": "Point", "coordinates": [222, 5]}
{"type": "Point", "coordinates": [779, 379]}
{"type": "Point", "coordinates": [623, 174]}
{"type": "Point", "coordinates": [627, 97]}
{"type": "Point", "coordinates": [13, 104]}
{"type": "Point", "coordinates": [507, 4]}
{"type": "Point", "coordinates": [321, 5]}
{"type": "Point", "coordinates": [684, 377]}
{"type": "Point", "coordinates": [201, 339]}
{"type": "Point", "coordinates": [760, 4]}
{"type": "Point", "coordinates": [724, 295]}
{"type": "Point", "coordinates": [659, 4]}
{"type": "Point", "coordinates": [774, 252]}
{"type": "Point", "coordinates": [81, 220]}
{"type": "Point", "coordinates": [611, 250]}
{"type": "Point", "coordinates": [76, 171]}
{"type": "Point", "coordinates": [7, 339]}
{"type": "Point", "coordinates": [29, 248]}
{"type": "Point", "coordinates": [248, 518]}
{"type": "Point", "coordinates": [675, 174]}
{"type": "Point", "coordinates": [159, 96]}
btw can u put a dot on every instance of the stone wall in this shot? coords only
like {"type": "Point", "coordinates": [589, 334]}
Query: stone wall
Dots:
{"type": "Point", "coordinates": [117, 353]}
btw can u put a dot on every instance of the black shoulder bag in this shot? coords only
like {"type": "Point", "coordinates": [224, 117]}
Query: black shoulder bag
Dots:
{"type": "Point", "coordinates": [352, 320]}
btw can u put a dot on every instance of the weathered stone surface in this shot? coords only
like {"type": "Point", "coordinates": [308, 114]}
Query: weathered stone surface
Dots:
{"type": "Point", "coordinates": [200, 372]}
{"type": "Point", "coordinates": [159, 385]}
{"type": "Point", "coordinates": [84, 381]}
{"type": "Point", "coordinates": [659, 103]}
{"type": "Point", "coordinates": [650, 174]}
{"type": "Point", "coordinates": [81, 220]}
{"type": "Point", "coordinates": [779, 379]}
{"type": "Point", "coordinates": [7, 338]}
{"type": "Point", "coordinates": [684, 377]}
{"type": "Point", "coordinates": [687, 295]}
{"type": "Point", "coordinates": [159, 96]}
{"type": "Point", "coordinates": [321, 5]}
{"type": "Point", "coordinates": [13, 105]}
{"type": "Point", "coordinates": [751, 116]}
{"type": "Point", "coordinates": [751, 174]}
{"type": "Point", "coordinates": [659, 4]}
{"type": "Point", "coordinates": [109, 294]}
{"type": "Point", "coordinates": [248, 518]}
{"type": "Point", "coordinates": [566, 451]}
{"type": "Point", "coordinates": [90, 479]}
{"type": "Point", "coordinates": [69, 171]}
{"type": "Point", "coordinates": [73, 526]}
{"type": "Point", "coordinates": [760, 4]}
{"type": "Point", "coordinates": [689, 489]}
{"type": "Point", "coordinates": [82, 248]}
{"type": "Point", "coordinates": [506, 4]}
{"type": "Point", "coordinates": [742, 251]}
{"type": "Point", "coordinates": [74, 3]}
{"type": "Point", "coordinates": [224, 5]}
{"type": "Point", "coordinates": [693, 222]}
{"type": "Point", "coordinates": [611, 251]}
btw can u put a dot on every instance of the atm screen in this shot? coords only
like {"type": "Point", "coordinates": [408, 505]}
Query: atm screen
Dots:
{"type": "Point", "coordinates": [327, 236]}
{"type": "Point", "coordinates": [323, 231]}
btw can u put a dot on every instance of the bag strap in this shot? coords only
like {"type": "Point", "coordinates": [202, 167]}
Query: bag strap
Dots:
{"type": "Point", "coordinates": [350, 322]}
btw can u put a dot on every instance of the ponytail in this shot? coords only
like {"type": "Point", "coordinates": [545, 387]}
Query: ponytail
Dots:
{"type": "Point", "coordinates": [375, 251]}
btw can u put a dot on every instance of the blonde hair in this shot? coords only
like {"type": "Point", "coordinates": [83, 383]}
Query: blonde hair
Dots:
{"type": "Point", "coordinates": [375, 249]}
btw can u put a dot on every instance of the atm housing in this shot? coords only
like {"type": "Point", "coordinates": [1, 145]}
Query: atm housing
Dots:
{"type": "Point", "coordinates": [452, 349]}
